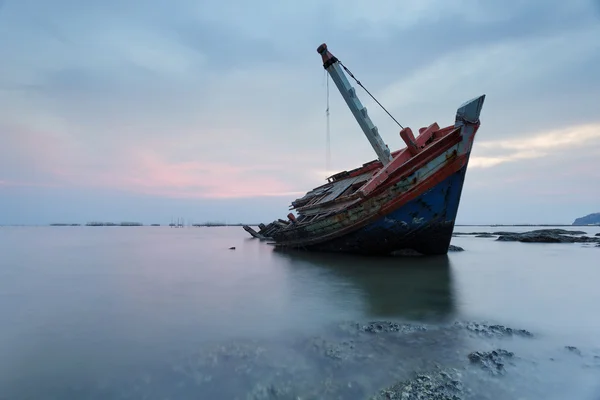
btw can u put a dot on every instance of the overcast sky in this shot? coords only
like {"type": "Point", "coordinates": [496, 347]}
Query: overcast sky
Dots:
{"type": "Point", "coordinates": [143, 110]}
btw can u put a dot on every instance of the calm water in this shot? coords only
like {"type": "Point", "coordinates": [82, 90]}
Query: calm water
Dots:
{"type": "Point", "coordinates": [158, 312]}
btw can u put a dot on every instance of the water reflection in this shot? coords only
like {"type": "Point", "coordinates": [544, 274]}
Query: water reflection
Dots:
{"type": "Point", "coordinates": [418, 288]}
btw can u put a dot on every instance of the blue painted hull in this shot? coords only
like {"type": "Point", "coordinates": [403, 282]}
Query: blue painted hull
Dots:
{"type": "Point", "coordinates": [424, 224]}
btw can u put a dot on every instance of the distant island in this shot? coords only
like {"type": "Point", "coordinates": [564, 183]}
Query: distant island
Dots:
{"type": "Point", "coordinates": [590, 219]}
{"type": "Point", "coordinates": [63, 224]}
{"type": "Point", "coordinates": [113, 224]}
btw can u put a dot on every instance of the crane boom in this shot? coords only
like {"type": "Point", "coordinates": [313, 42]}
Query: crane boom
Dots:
{"type": "Point", "coordinates": [332, 66]}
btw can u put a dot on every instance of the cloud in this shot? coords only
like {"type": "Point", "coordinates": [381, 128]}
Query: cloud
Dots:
{"type": "Point", "coordinates": [148, 173]}
{"type": "Point", "coordinates": [544, 190]}
{"type": "Point", "coordinates": [549, 144]}
{"type": "Point", "coordinates": [61, 161]}
{"type": "Point", "coordinates": [487, 162]}
{"type": "Point", "coordinates": [555, 187]}
{"type": "Point", "coordinates": [192, 99]}
{"type": "Point", "coordinates": [5, 184]}
{"type": "Point", "coordinates": [502, 70]}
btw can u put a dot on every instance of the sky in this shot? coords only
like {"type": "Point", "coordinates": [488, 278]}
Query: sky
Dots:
{"type": "Point", "coordinates": [147, 110]}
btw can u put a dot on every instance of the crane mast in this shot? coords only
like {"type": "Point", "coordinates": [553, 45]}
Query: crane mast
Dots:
{"type": "Point", "coordinates": [333, 67]}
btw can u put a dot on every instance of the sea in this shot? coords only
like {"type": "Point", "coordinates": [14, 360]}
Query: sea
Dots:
{"type": "Point", "coordinates": [211, 313]}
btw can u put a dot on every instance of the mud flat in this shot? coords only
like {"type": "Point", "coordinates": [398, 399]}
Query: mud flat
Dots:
{"type": "Point", "coordinates": [374, 360]}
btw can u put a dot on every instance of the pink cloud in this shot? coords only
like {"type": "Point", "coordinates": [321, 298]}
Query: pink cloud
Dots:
{"type": "Point", "coordinates": [7, 183]}
{"type": "Point", "coordinates": [147, 173]}
{"type": "Point", "coordinates": [152, 168]}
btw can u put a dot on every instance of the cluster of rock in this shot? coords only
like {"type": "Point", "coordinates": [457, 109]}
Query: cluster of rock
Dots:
{"type": "Point", "coordinates": [491, 361]}
{"type": "Point", "coordinates": [455, 248]}
{"type": "Point", "coordinates": [538, 236]}
{"type": "Point", "coordinates": [387, 326]}
{"type": "Point", "coordinates": [548, 236]}
{"type": "Point", "coordinates": [492, 330]}
{"type": "Point", "coordinates": [361, 361]}
{"type": "Point", "coordinates": [441, 384]}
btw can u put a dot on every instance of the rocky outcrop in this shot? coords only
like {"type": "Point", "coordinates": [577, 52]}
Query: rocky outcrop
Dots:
{"type": "Point", "coordinates": [485, 235]}
{"type": "Point", "coordinates": [547, 236]}
{"type": "Point", "coordinates": [443, 384]}
{"type": "Point", "coordinates": [537, 236]}
{"type": "Point", "coordinates": [590, 219]}
{"type": "Point", "coordinates": [502, 233]}
{"type": "Point", "coordinates": [491, 361]}
{"type": "Point", "coordinates": [387, 326]}
{"type": "Point", "coordinates": [491, 330]}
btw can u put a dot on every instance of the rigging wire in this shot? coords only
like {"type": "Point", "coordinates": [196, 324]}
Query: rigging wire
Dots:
{"type": "Point", "coordinates": [369, 93]}
{"type": "Point", "coordinates": [328, 133]}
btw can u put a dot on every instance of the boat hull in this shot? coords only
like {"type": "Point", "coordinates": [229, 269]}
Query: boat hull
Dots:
{"type": "Point", "coordinates": [414, 211]}
{"type": "Point", "coordinates": [410, 203]}
{"type": "Point", "coordinates": [424, 224]}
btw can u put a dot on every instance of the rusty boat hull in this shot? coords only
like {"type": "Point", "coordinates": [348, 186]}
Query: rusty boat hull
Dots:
{"type": "Point", "coordinates": [376, 209]}
{"type": "Point", "coordinates": [424, 224]}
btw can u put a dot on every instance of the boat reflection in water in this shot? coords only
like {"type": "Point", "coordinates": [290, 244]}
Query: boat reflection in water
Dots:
{"type": "Point", "coordinates": [415, 288]}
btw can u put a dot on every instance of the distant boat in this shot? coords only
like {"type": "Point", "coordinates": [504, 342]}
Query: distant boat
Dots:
{"type": "Point", "coordinates": [405, 200]}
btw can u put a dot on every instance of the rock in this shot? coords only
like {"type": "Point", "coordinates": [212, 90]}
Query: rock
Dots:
{"type": "Point", "coordinates": [386, 326]}
{"type": "Point", "coordinates": [590, 219]}
{"type": "Point", "coordinates": [538, 236]}
{"type": "Point", "coordinates": [561, 231]}
{"type": "Point", "coordinates": [547, 236]}
{"type": "Point", "coordinates": [543, 231]}
{"type": "Point", "coordinates": [455, 248]}
{"type": "Point", "coordinates": [502, 233]}
{"type": "Point", "coordinates": [439, 385]}
{"type": "Point", "coordinates": [491, 361]}
{"type": "Point", "coordinates": [335, 351]}
{"type": "Point", "coordinates": [573, 349]}
{"type": "Point", "coordinates": [492, 330]}
{"type": "Point", "coordinates": [232, 248]}
{"type": "Point", "coordinates": [597, 234]}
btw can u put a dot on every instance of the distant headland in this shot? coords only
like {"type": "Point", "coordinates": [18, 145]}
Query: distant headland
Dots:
{"type": "Point", "coordinates": [590, 219]}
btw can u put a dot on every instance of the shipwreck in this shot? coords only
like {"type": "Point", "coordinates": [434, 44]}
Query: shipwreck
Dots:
{"type": "Point", "coordinates": [404, 200]}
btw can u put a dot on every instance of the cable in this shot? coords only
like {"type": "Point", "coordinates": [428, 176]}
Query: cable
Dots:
{"type": "Point", "coordinates": [369, 93]}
